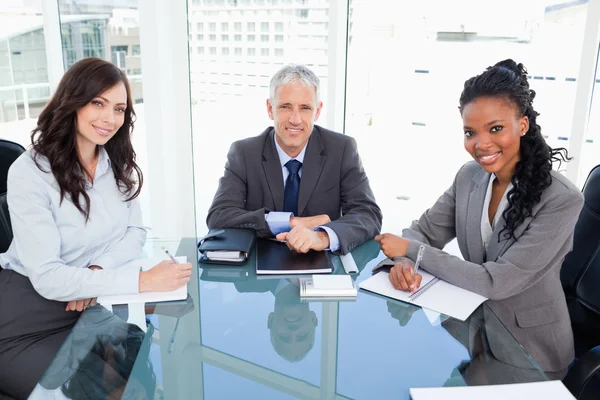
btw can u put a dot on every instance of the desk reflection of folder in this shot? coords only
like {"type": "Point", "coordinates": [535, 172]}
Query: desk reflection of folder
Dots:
{"type": "Point", "coordinates": [224, 274]}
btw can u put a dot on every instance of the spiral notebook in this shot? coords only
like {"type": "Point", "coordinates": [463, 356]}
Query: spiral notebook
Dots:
{"type": "Point", "coordinates": [434, 294]}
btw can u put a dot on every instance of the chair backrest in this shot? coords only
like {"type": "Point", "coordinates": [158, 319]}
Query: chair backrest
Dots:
{"type": "Point", "coordinates": [9, 152]}
{"type": "Point", "coordinates": [580, 273]}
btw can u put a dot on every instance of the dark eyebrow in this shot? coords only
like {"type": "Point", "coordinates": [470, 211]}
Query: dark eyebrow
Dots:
{"type": "Point", "coordinates": [467, 127]}
{"type": "Point", "coordinates": [106, 100]}
{"type": "Point", "coordinates": [494, 122]}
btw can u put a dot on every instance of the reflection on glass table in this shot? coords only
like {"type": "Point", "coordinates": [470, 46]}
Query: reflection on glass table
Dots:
{"type": "Point", "coordinates": [238, 335]}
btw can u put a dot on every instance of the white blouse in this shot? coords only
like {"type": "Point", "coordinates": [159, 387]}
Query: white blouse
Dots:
{"type": "Point", "coordinates": [53, 244]}
{"type": "Point", "coordinates": [486, 228]}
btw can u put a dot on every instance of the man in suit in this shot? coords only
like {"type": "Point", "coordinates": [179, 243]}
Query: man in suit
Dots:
{"type": "Point", "coordinates": [297, 181]}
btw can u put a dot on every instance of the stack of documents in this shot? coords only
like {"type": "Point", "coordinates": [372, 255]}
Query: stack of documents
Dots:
{"type": "Point", "coordinates": [326, 286]}
{"type": "Point", "coordinates": [235, 256]}
{"type": "Point", "coordinates": [434, 294]}
{"type": "Point", "coordinates": [146, 297]}
{"type": "Point", "coordinates": [549, 390]}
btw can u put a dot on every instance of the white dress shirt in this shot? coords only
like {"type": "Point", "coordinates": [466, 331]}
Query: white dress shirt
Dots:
{"type": "Point", "coordinates": [486, 228]}
{"type": "Point", "coordinates": [54, 246]}
{"type": "Point", "coordinates": [279, 221]}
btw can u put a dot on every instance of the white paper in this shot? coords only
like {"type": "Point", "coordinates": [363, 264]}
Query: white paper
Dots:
{"type": "Point", "coordinates": [332, 282]}
{"type": "Point", "coordinates": [137, 315]}
{"type": "Point", "coordinates": [349, 264]}
{"type": "Point", "coordinates": [432, 316]}
{"type": "Point", "coordinates": [224, 255]}
{"type": "Point", "coordinates": [147, 297]}
{"type": "Point", "coordinates": [549, 390]}
{"type": "Point", "coordinates": [441, 296]}
{"type": "Point", "coordinates": [327, 286]}
{"type": "Point", "coordinates": [380, 283]}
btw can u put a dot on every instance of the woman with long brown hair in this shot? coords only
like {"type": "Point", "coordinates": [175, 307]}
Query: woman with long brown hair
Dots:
{"type": "Point", "coordinates": [76, 219]}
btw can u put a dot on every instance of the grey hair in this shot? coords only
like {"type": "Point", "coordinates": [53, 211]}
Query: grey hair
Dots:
{"type": "Point", "coordinates": [294, 73]}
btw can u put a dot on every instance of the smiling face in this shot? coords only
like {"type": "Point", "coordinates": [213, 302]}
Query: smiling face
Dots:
{"type": "Point", "coordinates": [100, 119]}
{"type": "Point", "coordinates": [294, 111]}
{"type": "Point", "coordinates": [493, 128]}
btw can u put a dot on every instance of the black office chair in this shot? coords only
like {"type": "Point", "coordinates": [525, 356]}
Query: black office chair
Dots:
{"type": "Point", "coordinates": [580, 276]}
{"type": "Point", "coordinates": [9, 152]}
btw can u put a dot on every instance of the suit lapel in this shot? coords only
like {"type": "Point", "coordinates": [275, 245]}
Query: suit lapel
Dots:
{"type": "Point", "coordinates": [495, 248]}
{"type": "Point", "coordinates": [272, 168]}
{"type": "Point", "coordinates": [314, 160]}
{"type": "Point", "coordinates": [474, 213]}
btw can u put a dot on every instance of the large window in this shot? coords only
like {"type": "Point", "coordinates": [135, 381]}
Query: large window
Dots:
{"type": "Point", "coordinates": [407, 64]}
{"type": "Point", "coordinates": [24, 87]}
{"type": "Point", "coordinates": [229, 103]}
{"type": "Point", "coordinates": [110, 30]}
{"type": "Point", "coordinates": [590, 155]}
{"type": "Point", "coordinates": [229, 93]}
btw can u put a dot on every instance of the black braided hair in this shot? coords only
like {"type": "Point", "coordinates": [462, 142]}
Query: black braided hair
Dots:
{"type": "Point", "coordinates": [508, 80]}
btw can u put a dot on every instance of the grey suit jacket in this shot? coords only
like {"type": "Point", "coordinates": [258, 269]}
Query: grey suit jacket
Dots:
{"type": "Point", "coordinates": [333, 182]}
{"type": "Point", "coordinates": [521, 278]}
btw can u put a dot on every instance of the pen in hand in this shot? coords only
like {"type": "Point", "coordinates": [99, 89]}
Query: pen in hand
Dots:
{"type": "Point", "coordinates": [170, 256]}
{"type": "Point", "coordinates": [418, 261]}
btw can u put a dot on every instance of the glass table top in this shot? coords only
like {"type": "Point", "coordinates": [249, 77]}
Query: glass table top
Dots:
{"type": "Point", "coordinates": [242, 336]}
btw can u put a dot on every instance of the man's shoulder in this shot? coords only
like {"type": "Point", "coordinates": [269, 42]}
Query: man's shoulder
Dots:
{"type": "Point", "coordinates": [329, 135]}
{"type": "Point", "coordinates": [332, 140]}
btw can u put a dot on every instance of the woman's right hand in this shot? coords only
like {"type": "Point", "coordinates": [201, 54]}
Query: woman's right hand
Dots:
{"type": "Point", "coordinates": [401, 277]}
{"type": "Point", "coordinates": [165, 277]}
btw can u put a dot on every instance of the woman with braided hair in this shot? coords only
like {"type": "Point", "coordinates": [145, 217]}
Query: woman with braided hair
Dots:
{"type": "Point", "coordinates": [513, 217]}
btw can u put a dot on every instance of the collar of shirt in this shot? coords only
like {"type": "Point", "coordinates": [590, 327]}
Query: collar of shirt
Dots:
{"type": "Point", "coordinates": [283, 157]}
{"type": "Point", "coordinates": [102, 167]}
{"type": "Point", "coordinates": [103, 162]}
{"type": "Point", "coordinates": [486, 228]}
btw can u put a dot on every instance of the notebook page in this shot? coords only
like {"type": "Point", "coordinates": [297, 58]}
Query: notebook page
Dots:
{"type": "Point", "coordinates": [441, 296]}
{"type": "Point", "coordinates": [147, 297]}
{"type": "Point", "coordinates": [549, 390]}
{"type": "Point", "coordinates": [332, 282]}
{"type": "Point", "coordinates": [380, 283]}
{"type": "Point", "coordinates": [450, 300]}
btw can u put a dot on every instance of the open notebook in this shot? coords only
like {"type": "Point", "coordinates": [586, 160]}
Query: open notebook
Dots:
{"type": "Point", "coordinates": [434, 294]}
{"type": "Point", "coordinates": [147, 297]}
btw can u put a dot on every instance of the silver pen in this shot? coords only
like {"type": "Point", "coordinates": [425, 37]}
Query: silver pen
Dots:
{"type": "Point", "coordinates": [172, 258]}
{"type": "Point", "coordinates": [419, 258]}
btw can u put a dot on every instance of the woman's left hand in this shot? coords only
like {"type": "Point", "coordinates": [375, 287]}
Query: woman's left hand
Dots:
{"type": "Point", "coordinates": [80, 305]}
{"type": "Point", "coordinates": [392, 245]}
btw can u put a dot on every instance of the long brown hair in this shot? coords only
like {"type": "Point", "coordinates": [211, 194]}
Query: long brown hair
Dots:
{"type": "Point", "coordinates": [55, 136]}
